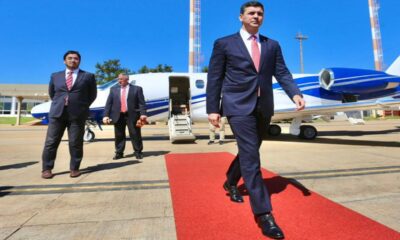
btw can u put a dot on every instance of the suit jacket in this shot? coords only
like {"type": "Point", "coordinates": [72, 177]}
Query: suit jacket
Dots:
{"type": "Point", "coordinates": [135, 100]}
{"type": "Point", "coordinates": [81, 95]}
{"type": "Point", "coordinates": [233, 77]}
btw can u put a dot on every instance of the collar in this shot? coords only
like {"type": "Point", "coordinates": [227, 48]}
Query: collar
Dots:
{"type": "Point", "coordinates": [73, 71]}
{"type": "Point", "coordinates": [246, 35]}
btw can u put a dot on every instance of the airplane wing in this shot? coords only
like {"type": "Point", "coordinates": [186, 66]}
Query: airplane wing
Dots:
{"type": "Point", "coordinates": [333, 108]}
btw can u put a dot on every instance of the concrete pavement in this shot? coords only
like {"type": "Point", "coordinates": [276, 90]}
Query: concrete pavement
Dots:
{"type": "Point", "coordinates": [356, 166]}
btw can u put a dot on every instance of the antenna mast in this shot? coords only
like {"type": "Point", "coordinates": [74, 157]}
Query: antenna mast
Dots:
{"type": "Point", "coordinates": [194, 36]}
{"type": "Point", "coordinates": [376, 33]}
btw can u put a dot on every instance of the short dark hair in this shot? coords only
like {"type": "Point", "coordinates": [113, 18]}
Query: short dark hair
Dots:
{"type": "Point", "coordinates": [72, 52]}
{"type": "Point", "coordinates": [250, 4]}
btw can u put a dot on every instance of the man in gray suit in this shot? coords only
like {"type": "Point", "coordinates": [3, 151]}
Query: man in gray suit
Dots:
{"type": "Point", "coordinates": [71, 91]}
{"type": "Point", "coordinates": [126, 106]}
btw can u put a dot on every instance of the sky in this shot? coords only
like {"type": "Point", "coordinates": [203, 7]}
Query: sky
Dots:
{"type": "Point", "coordinates": [35, 34]}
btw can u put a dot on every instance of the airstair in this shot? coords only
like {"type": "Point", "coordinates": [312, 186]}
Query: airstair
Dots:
{"type": "Point", "coordinates": [180, 128]}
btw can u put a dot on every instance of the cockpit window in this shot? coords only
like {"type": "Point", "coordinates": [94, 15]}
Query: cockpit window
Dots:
{"type": "Point", "coordinates": [199, 83]}
{"type": "Point", "coordinates": [108, 84]}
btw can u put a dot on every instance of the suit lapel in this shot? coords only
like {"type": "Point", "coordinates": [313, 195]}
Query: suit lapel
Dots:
{"type": "Point", "coordinates": [265, 49]}
{"type": "Point", "coordinates": [243, 49]}
{"type": "Point", "coordinates": [118, 92]}
{"type": "Point", "coordinates": [130, 92]}
{"type": "Point", "coordinates": [61, 81]}
{"type": "Point", "coordinates": [78, 79]}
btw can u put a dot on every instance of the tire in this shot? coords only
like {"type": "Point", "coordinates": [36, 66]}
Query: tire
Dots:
{"type": "Point", "coordinates": [274, 130]}
{"type": "Point", "coordinates": [308, 132]}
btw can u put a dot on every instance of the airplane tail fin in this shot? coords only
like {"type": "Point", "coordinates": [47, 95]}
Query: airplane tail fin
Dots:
{"type": "Point", "coordinates": [394, 69]}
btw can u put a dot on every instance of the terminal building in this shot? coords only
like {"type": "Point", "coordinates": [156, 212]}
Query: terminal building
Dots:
{"type": "Point", "coordinates": [18, 99]}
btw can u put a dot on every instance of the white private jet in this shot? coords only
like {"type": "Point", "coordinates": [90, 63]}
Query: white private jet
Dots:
{"type": "Point", "coordinates": [180, 98]}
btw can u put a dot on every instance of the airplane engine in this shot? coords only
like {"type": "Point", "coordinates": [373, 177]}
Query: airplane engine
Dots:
{"type": "Point", "coordinates": [356, 81]}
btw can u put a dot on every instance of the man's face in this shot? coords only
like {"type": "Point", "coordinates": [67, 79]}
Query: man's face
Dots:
{"type": "Point", "coordinates": [123, 80]}
{"type": "Point", "coordinates": [252, 18]}
{"type": "Point", "coordinates": [72, 61]}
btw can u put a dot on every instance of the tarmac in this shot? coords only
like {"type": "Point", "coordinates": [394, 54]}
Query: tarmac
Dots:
{"type": "Point", "coordinates": [355, 166]}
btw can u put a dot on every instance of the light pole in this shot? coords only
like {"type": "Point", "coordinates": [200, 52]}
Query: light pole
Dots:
{"type": "Point", "coordinates": [301, 37]}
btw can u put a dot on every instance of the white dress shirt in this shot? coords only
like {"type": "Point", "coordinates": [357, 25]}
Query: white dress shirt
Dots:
{"type": "Point", "coordinates": [246, 37]}
{"type": "Point", "coordinates": [74, 75]}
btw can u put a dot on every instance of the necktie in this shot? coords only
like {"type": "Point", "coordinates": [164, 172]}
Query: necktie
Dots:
{"type": "Point", "coordinates": [123, 100]}
{"type": "Point", "coordinates": [69, 80]}
{"type": "Point", "coordinates": [255, 55]}
{"type": "Point", "coordinates": [255, 51]}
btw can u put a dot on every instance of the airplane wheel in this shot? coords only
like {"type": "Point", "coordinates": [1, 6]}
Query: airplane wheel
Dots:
{"type": "Point", "coordinates": [308, 132]}
{"type": "Point", "coordinates": [88, 136]}
{"type": "Point", "coordinates": [274, 130]}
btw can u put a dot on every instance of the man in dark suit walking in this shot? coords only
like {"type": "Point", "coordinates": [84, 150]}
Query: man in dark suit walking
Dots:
{"type": "Point", "coordinates": [126, 106]}
{"type": "Point", "coordinates": [71, 91]}
{"type": "Point", "coordinates": [240, 72]}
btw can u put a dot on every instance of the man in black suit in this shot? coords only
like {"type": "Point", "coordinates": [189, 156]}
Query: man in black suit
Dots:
{"type": "Point", "coordinates": [71, 91]}
{"type": "Point", "coordinates": [126, 106]}
{"type": "Point", "coordinates": [240, 72]}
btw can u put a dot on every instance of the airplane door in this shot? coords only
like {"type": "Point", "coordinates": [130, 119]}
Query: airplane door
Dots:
{"type": "Point", "coordinates": [179, 95]}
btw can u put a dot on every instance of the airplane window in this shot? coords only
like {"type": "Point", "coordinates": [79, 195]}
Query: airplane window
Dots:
{"type": "Point", "coordinates": [200, 83]}
{"type": "Point", "coordinates": [108, 84]}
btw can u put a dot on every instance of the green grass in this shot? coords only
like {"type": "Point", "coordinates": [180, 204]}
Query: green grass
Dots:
{"type": "Point", "coordinates": [382, 118]}
{"type": "Point", "coordinates": [13, 120]}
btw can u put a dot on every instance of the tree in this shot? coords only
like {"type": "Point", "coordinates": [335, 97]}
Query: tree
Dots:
{"type": "Point", "coordinates": [109, 70]}
{"type": "Point", "coordinates": [158, 68]}
{"type": "Point", "coordinates": [204, 69]}
{"type": "Point", "coordinates": [143, 69]}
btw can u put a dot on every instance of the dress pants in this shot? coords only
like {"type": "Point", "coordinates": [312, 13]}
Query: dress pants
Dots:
{"type": "Point", "coordinates": [249, 132]}
{"type": "Point", "coordinates": [134, 133]}
{"type": "Point", "coordinates": [55, 131]}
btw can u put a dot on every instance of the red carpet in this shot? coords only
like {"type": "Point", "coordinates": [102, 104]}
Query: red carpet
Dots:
{"type": "Point", "coordinates": [203, 211]}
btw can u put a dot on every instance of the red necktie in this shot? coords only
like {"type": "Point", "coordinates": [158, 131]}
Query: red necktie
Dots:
{"type": "Point", "coordinates": [255, 51]}
{"type": "Point", "coordinates": [123, 100]}
{"type": "Point", "coordinates": [69, 80]}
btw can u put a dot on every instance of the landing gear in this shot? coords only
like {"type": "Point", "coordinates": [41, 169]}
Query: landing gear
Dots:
{"type": "Point", "coordinates": [89, 135]}
{"type": "Point", "coordinates": [308, 132]}
{"type": "Point", "coordinates": [274, 130]}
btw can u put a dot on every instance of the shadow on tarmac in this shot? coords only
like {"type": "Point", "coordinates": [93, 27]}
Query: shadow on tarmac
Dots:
{"type": "Point", "coordinates": [291, 138]}
{"type": "Point", "coordinates": [3, 190]}
{"type": "Point", "coordinates": [150, 153]}
{"type": "Point", "coordinates": [358, 133]}
{"type": "Point", "coordinates": [102, 166]}
{"type": "Point", "coordinates": [17, 165]}
{"type": "Point", "coordinates": [338, 141]}
{"type": "Point", "coordinates": [278, 184]}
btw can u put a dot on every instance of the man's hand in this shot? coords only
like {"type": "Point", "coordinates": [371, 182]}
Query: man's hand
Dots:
{"type": "Point", "coordinates": [141, 121]}
{"type": "Point", "coordinates": [106, 120]}
{"type": "Point", "coordinates": [299, 101]}
{"type": "Point", "coordinates": [213, 118]}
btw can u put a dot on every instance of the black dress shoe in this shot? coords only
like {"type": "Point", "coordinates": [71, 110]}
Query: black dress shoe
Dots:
{"type": "Point", "coordinates": [233, 193]}
{"type": "Point", "coordinates": [210, 142]}
{"type": "Point", "coordinates": [138, 155]}
{"type": "Point", "coordinates": [118, 156]}
{"type": "Point", "coordinates": [221, 142]}
{"type": "Point", "coordinates": [269, 227]}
